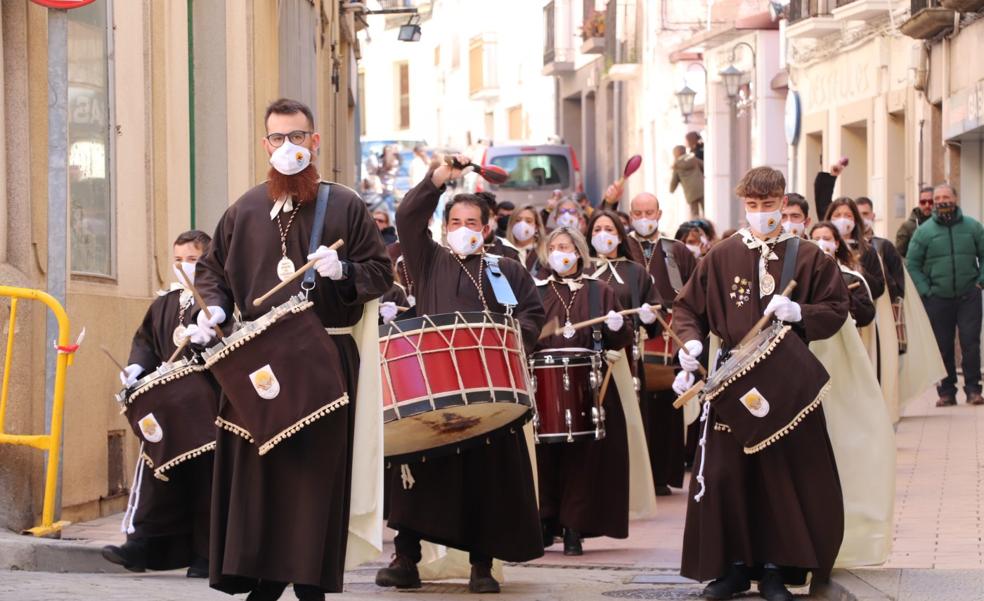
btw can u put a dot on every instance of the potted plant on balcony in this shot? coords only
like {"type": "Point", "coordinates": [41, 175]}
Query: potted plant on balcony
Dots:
{"type": "Point", "coordinates": [593, 33]}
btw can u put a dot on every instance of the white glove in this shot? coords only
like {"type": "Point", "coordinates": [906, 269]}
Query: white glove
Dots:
{"type": "Point", "coordinates": [646, 313]}
{"type": "Point", "coordinates": [784, 309]}
{"type": "Point", "coordinates": [690, 355]}
{"type": "Point", "coordinates": [614, 321]}
{"type": "Point", "coordinates": [328, 265]}
{"type": "Point", "coordinates": [218, 316]}
{"type": "Point", "coordinates": [612, 356]}
{"type": "Point", "coordinates": [387, 311]}
{"type": "Point", "coordinates": [683, 382]}
{"type": "Point", "coordinates": [130, 374]}
{"type": "Point", "coordinates": [198, 335]}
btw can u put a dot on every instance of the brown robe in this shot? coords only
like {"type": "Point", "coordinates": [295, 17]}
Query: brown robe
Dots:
{"type": "Point", "coordinates": [783, 504]}
{"type": "Point", "coordinates": [172, 518]}
{"type": "Point", "coordinates": [584, 485]}
{"type": "Point", "coordinates": [481, 500]}
{"type": "Point", "coordinates": [498, 247]}
{"type": "Point", "coordinates": [664, 424]}
{"type": "Point", "coordinates": [284, 516]}
{"type": "Point", "coordinates": [862, 307]}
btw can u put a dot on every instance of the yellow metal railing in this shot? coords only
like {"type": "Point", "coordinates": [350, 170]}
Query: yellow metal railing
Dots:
{"type": "Point", "coordinates": [50, 442]}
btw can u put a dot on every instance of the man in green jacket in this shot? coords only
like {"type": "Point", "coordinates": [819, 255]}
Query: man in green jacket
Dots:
{"type": "Point", "coordinates": [919, 215]}
{"type": "Point", "coordinates": [945, 258]}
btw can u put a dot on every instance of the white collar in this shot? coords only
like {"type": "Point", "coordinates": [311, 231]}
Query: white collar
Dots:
{"type": "Point", "coordinates": [606, 263]}
{"type": "Point", "coordinates": [283, 204]}
{"type": "Point", "coordinates": [573, 283]}
{"type": "Point", "coordinates": [755, 243]}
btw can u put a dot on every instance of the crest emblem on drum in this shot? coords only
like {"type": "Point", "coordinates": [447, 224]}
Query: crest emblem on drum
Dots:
{"type": "Point", "coordinates": [265, 382]}
{"type": "Point", "coordinates": [150, 428]}
{"type": "Point", "coordinates": [756, 404]}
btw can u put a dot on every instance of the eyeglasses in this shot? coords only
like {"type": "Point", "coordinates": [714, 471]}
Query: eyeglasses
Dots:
{"type": "Point", "coordinates": [925, 201]}
{"type": "Point", "coordinates": [568, 211]}
{"type": "Point", "coordinates": [297, 136]}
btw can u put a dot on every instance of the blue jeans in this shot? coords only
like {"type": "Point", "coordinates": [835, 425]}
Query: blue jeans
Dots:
{"type": "Point", "coordinates": [960, 316]}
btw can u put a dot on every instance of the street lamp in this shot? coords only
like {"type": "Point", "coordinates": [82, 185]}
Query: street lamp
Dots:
{"type": "Point", "coordinates": [410, 32]}
{"type": "Point", "coordinates": [732, 80]}
{"type": "Point", "coordinates": [685, 98]}
{"type": "Point", "coordinates": [732, 76]}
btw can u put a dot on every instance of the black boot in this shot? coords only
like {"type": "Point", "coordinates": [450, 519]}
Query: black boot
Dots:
{"type": "Point", "coordinates": [735, 582]}
{"type": "Point", "coordinates": [772, 587]}
{"type": "Point", "coordinates": [481, 580]}
{"type": "Point", "coordinates": [306, 592]}
{"type": "Point", "coordinates": [572, 542]}
{"type": "Point", "coordinates": [548, 536]}
{"type": "Point", "coordinates": [198, 568]}
{"type": "Point", "coordinates": [132, 555]}
{"type": "Point", "coordinates": [267, 590]}
{"type": "Point", "coordinates": [401, 573]}
{"type": "Point", "coordinates": [663, 491]}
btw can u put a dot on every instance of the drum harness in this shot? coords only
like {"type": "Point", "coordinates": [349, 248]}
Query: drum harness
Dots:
{"type": "Point", "coordinates": [317, 229]}
{"type": "Point", "coordinates": [788, 271]}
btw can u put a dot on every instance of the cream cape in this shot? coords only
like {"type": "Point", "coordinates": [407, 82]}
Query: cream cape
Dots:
{"type": "Point", "coordinates": [863, 440]}
{"type": "Point", "coordinates": [921, 366]}
{"type": "Point", "coordinates": [365, 538]}
{"type": "Point", "coordinates": [881, 341]}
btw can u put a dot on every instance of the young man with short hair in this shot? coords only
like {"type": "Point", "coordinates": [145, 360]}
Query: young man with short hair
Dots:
{"type": "Point", "coordinates": [796, 215]}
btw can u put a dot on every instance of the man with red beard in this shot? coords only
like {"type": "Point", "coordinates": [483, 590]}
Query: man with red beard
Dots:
{"type": "Point", "coordinates": [283, 517]}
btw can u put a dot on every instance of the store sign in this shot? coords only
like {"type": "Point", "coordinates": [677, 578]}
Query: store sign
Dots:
{"type": "Point", "coordinates": [63, 4]}
{"type": "Point", "coordinates": [848, 77]}
{"type": "Point", "coordinates": [964, 111]}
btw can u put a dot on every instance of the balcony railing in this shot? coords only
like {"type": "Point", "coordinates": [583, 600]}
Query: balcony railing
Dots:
{"type": "Point", "coordinates": [804, 9]}
{"type": "Point", "coordinates": [622, 41]}
{"type": "Point", "coordinates": [558, 53]}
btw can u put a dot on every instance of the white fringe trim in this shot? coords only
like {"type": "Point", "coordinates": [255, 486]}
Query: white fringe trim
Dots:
{"type": "Point", "coordinates": [305, 421]}
{"type": "Point", "coordinates": [718, 389]}
{"type": "Point", "coordinates": [205, 448]}
{"type": "Point", "coordinates": [792, 424]}
{"type": "Point", "coordinates": [237, 430]}
{"type": "Point", "coordinates": [252, 330]}
{"type": "Point", "coordinates": [719, 427]}
{"type": "Point", "coordinates": [170, 377]}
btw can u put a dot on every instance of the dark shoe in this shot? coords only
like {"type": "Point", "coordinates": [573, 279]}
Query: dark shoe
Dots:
{"type": "Point", "coordinates": [975, 398]}
{"type": "Point", "coordinates": [946, 400]}
{"type": "Point", "coordinates": [548, 537]}
{"type": "Point", "coordinates": [306, 592]}
{"type": "Point", "coordinates": [771, 586]}
{"type": "Point", "coordinates": [131, 555]}
{"type": "Point", "coordinates": [401, 573]}
{"type": "Point", "coordinates": [267, 590]}
{"type": "Point", "coordinates": [663, 491]}
{"type": "Point", "coordinates": [198, 568]}
{"type": "Point", "coordinates": [572, 542]}
{"type": "Point", "coordinates": [481, 580]}
{"type": "Point", "coordinates": [735, 583]}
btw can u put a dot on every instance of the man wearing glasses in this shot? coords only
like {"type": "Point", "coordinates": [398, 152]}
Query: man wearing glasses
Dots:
{"type": "Point", "coordinates": [919, 214]}
{"type": "Point", "coordinates": [283, 517]}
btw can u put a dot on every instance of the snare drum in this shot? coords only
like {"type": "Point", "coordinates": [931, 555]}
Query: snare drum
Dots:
{"type": "Point", "coordinates": [280, 373]}
{"type": "Point", "coordinates": [659, 360]}
{"type": "Point", "coordinates": [568, 407]}
{"type": "Point", "coordinates": [450, 377]}
{"type": "Point", "coordinates": [173, 411]}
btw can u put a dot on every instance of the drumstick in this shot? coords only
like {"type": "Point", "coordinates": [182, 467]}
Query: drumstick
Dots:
{"type": "Point", "coordinates": [596, 320]}
{"type": "Point", "coordinates": [764, 320]}
{"type": "Point", "coordinates": [853, 285]}
{"type": "Point", "coordinates": [604, 384]}
{"type": "Point", "coordinates": [112, 358]}
{"type": "Point", "coordinates": [676, 339]}
{"type": "Point", "coordinates": [198, 299]}
{"type": "Point", "coordinates": [178, 350]}
{"type": "Point", "coordinates": [259, 301]}
{"type": "Point", "coordinates": [685, 397]}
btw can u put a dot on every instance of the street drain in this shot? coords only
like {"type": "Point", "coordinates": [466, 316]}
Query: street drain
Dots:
{"type": "Point", "coordinates": [656, 593]}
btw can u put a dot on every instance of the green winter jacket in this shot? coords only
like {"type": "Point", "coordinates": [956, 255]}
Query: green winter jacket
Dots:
{"type": "Point", "coordinates": [945, 260]}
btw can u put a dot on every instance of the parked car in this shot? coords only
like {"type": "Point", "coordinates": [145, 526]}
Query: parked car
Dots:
{"type": "Point", "coordinates": [535, 170]}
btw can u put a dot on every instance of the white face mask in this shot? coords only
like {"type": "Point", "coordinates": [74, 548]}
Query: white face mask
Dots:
{"type": "Point", "coordinates": [290, 158]}
{"type": "Point", "coordinates": [562, 262]}
{"type": "Point", "coordinates": [523, 231]}
{"type": "Point", "coordinates": [869, 223]}
{"type": "Point", "coordinates": [695, 249]}
{"type": "Point", "coordinates": [465, 241]}
{"type": "Point", "coordinates": [188, 269]}
{"type": "Point", "coordinates": [827, 246]}
{"type": "Point", "coordinates": [604, 242]}
{"type": "Point", "coordinates": [704, 240]}
{"type": "Point", "coordinates": [645, 227]}
{"type": "Point", "coordinates": [795, 229]}
{"type": "Point", "coordinates": [764, 223]}
{"type": "Point", "coordinates": [845, 225]}
{"type": "Point", "coordinates": [568, 220]}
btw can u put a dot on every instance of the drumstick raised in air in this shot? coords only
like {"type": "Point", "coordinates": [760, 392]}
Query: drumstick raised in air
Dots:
{"type": "Point", "coordinates": [201, 303]}
{"type": "Point", "coordinates": [112, 358]}
{"type": "Point", "coordinates": [764, 320]}
{"type": "Point", "coordinates": [259, 301]}
{"type": "Point", "coordinates": [676, 339]}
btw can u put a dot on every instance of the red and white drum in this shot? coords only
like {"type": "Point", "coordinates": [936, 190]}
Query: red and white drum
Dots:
{"type": "Point", "coordinates": [450, 377]}
{"type": "Point", "coordinates": [659, 360]}
{"type": "Point", "coordinates": [568, 407]}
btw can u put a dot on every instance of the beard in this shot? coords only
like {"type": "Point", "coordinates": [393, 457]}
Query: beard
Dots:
{"type": "Point", "coordinates": [302, 186]}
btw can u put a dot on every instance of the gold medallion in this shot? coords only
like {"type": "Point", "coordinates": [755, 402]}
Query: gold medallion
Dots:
{"type": "Point", "coordinates": [179, 335]}
{"type": "Point", "coordinates": [768, 284]}
{"type": "Point", "coordinates": [569, 330]}
{"type": "Point", "coordinates": [411, 300]}
{"type": "Point", "coordinates": [285, 269]}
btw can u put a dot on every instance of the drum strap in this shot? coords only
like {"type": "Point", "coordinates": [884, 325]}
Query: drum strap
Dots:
{"type": "Point", "coordinates": [672, 269]}
{"type": "Point", "coordinates": [594, 309]}
{"type": "Point", "coordinates": [500, 285]}
{"type": "Point", "coordinates": [318, 228]}
{"type": "Point", "coordinates": [789, 263]}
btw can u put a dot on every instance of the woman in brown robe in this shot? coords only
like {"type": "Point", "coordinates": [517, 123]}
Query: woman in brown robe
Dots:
{"type": "Point", "coordinates": [584, 485]}
{"type": "Point", "coordinates": [526, 232]}
{"type": "Point", "coordinates": [828, 238]}
{"type": "Point", "coordinates": [482, 499]}
{"type": "Point", "coordinates": [171, 520]}
{"type": "Point", "coordinates": [844, 214]}
{"type": "Point", "coordinates": [777, 514]}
